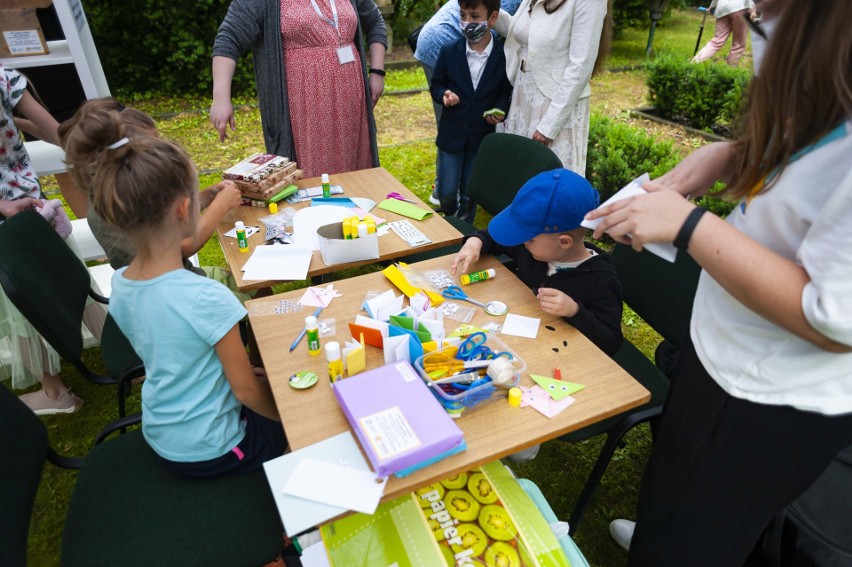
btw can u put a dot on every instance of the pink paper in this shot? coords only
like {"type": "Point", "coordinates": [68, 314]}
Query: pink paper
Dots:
{"type": "Point", "coordinates": [319, 296]}
{"type": "Point", "coordinates": [540, 400]}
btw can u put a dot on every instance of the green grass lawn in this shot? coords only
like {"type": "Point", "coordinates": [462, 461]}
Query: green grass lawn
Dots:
{"type": "Point", "coordinates": [407, 150]}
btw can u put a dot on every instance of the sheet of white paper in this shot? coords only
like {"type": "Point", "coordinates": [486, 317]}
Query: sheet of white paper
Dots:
{"type": "Point", "coordinates": [336, 485]}
{"type": "Point", "coordinates": [299, 514]}
{"type": "Point", "coordinates": [520, 326]}
{"type": "Point", "coordinates": [396, 349]}
{"type": "Point", "coordinates": [432, 314]}
{"type": "Point", "coordinates": [382, 326]}
{"type": "Point", "coordinates": [249, 231]}
{"type": "Point", "coordinates": [384, 305]}
{"type": "Point", "coordinates": [664, 251]}
{"type": "Point", "coordinates": [278, 262]}
{"type": "Point", "coordinates": [363, 203]}
{"type": "Point", "coordinates": [307, 220]}
{"type": "Point", "coordinates": [436, 328]}
{"type": "Point", "coordinates": [420, 302]}
{"type": "Point", "coordinates": [315, 556]}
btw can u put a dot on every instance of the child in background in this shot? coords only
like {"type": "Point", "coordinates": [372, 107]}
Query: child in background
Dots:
{"type": "Point", "coordinates": [469, 79]}
{"type": "Point", "coordinates": [541, 231]}
{"type": "Point", "coordinates": [28, 359]}
{"type": "Point", "coordinates": [82, 152]}
{"type": "Point", "coordinates": [205, 410]}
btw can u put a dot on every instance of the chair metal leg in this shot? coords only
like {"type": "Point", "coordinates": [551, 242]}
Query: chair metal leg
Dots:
{"type": "Point", "coordinates": [613, 439]}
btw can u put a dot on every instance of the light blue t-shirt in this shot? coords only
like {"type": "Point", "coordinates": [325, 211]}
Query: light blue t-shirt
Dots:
{"type": "Point", "coordinates": [443, 28]}
{"type": "Point", "coordinates": [189, 412]}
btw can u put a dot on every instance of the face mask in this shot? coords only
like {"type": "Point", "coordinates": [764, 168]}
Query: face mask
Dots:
{"type": "Point", "coordinates": [473, 31]}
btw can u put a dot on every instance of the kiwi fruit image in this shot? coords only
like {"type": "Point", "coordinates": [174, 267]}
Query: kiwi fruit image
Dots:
{"type": "Point", "coordinates": [501, 554]}
{"type": "Point", "coordinates": [448, 555]}
{"type": "Point", "coordinates": [496, 522]}
{"type": "Point", "coordinates": [424, 502]}
{"type": "Point", "coordinates": [481, 489]}
{"type": "Point", "coordinates": [461, 505]}
{"type": "Point", "coordinates": [472, 538]}
{"type": "Point", "coordinates": [456, 482]}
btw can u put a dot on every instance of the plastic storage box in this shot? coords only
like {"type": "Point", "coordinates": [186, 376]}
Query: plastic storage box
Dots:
{"type": "Point", "coordinates": [456, 400]}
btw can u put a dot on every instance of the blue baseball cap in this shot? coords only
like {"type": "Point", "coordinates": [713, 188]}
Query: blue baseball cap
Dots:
{"type": "Point", "coordinates": [551, 202]}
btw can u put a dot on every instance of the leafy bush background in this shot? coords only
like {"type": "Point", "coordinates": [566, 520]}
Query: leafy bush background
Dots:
{"type": "Point", "coordinates": [704, 95]}
{"type": "Point", "coordinates": [163, 46]}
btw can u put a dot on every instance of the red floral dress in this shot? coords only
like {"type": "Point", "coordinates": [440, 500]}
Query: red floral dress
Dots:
{"type": "Point", "coordinates": [327, 99]}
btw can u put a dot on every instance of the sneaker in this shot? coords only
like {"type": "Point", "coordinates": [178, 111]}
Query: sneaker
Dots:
{"type": "Point", "coordinates": [622, 532]}
{"type": "Point", "coordinates": [433, 199]}
{"type": "Point", "coordinates": [41, 404]}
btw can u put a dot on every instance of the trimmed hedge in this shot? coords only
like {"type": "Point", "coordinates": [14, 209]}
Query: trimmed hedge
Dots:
{"type": "Point", "coordinates": [703, 95]}
{"type": "Point", "coordinates": [619, 153]}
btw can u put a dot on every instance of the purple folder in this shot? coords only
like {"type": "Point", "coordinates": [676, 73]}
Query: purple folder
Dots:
{"type": "Point", "coordinates": [396, 418]}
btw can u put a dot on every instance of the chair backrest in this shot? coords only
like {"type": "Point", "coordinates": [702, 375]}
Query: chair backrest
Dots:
{"type": "Point", "coordinates": [117, 352]}
{"type": "Point", "coordinates": [503, 164]}
{"type": "Point", "coordinates": [23, 443]}
{"type": "Point", "coordinates": [44, 280]}
{"type": "Point", "coordinates": [660, 292]}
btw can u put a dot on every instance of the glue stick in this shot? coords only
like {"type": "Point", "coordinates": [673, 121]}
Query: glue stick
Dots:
{"type": "Point", "coordinates": [242, 241]}
{"type": "Point", "coordinates": [478, 276]}
{"type": "Point", "coordinates": [312, 332]}
{"type": "Point", "coordinates": [326, 186]}
{"type": "Point", "coordinates": [335, 363]}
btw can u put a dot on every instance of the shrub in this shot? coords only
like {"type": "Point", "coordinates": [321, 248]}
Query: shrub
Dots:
{"type": "Point", "coordinates": [702, 95]}
{"type": "Point", "coordinates": [160, 45]}
{"type": "Point", "coordinates": [619, 153]}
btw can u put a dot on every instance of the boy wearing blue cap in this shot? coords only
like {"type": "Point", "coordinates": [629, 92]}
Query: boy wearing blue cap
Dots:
{"type": "Point", "coordinates": [541, 231]}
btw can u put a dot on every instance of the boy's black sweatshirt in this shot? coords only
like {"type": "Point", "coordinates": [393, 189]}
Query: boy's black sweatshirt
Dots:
{"type": "Point", "coordinates": [594, 285]}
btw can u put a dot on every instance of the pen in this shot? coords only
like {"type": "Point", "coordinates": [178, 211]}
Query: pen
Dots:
{"type": "Point", "coordinates": [304, 330]}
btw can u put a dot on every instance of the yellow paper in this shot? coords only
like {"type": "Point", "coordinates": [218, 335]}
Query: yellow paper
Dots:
{"type": "Point", "coordinates": [356, 361]}
{"type": "Point", "coordinates": [397, 278]}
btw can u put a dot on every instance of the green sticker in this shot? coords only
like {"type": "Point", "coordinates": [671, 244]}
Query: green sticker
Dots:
{"type": "Point", "coordinates": [303, 380]}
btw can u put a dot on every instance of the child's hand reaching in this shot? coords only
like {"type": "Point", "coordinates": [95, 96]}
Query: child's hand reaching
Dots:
{"type": "Point", "coordinates": [450, 98]}
{"type": "Point", "coordinates": [557, 303]}
{"type": "Point", "coordinates": [469, 254]}
{"type": "Point", "coordinates": [228, 195]}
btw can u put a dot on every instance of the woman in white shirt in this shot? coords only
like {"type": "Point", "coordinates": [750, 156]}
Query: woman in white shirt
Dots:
{"type": "Point", "coordinates": [763, 400]}
{"type": "Point", "coordinates": [553, 47]}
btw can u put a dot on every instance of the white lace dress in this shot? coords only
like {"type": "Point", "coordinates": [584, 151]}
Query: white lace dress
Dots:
{"type": "Point", "coordinates": [529, 105]}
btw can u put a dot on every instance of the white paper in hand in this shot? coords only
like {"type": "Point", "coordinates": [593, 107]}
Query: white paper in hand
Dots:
{"type": "Point", "coordinates": [665, 251]}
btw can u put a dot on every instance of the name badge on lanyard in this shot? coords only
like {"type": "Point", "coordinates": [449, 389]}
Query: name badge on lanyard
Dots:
{"type": "Point", "coordinates": [345, 53]}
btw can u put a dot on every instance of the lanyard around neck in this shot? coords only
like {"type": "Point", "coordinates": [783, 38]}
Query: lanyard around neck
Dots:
{"type": "Point", "coordinates": [333, 23]}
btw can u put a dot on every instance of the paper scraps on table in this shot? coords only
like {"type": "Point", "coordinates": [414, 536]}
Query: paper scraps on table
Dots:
{"type": "Point", "coordinates": [541, 401]}
{"type": "Point", "coordinates": [557, 389]}
{"type": "Point", "coordinates": [249, 231]}
{"type": "Point", "coordinates": [520, 326]}
{"type": "Point", "coordinates": [665, 251]}
{"type": "Point", "coordinates": [278, 262]}
{"type": "Point", "coordinates": [319, 296]}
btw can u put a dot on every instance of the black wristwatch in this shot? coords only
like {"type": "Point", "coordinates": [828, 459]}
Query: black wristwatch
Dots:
{"type": "Point", "coordinates": [379, 72]}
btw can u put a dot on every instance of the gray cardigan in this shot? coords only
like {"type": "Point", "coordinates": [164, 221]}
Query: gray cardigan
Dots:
{"type": "Point", "coordinates": [256, 25]}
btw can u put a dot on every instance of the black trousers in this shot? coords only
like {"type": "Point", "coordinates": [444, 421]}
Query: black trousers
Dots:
{"type": "Point", "coordinates": [722, 467]}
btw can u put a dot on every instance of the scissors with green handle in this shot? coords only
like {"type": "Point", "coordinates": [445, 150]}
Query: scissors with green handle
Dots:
{"type": "Point", "coordinates": [495, 308]}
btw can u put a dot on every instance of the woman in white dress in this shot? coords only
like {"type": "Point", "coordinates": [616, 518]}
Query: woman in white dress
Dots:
{"type": "Point", "coordinates": [553, 47]}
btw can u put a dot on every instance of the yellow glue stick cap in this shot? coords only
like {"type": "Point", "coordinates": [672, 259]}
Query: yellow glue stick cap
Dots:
{"type": "Point", "coordinates": [515, 397]}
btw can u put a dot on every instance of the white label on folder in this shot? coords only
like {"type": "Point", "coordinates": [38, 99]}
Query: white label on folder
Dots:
{"type": "Point", "coordinates": [389, 433]}
{"type": "Point", "coordinates": [406, 372]}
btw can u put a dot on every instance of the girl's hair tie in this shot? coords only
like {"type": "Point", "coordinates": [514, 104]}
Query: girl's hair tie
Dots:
{"type": "Point", "coordinates": [118, 144]}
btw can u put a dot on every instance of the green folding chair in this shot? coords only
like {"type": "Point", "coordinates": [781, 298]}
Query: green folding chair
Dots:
{"type": "Point", "coordinates": [49, 285]}
{"type": "Point", "coordinates": [661, 293]}
{"type": "Point", "coordinates": [503, 164]}
{"type": "Point", "coordinates": [126, 508]}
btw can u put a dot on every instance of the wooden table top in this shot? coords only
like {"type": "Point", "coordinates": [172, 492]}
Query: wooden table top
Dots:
{"type": "Point", "coordinates": [492, 430]}
{"type": "Point", "coordinates": [374, 184]}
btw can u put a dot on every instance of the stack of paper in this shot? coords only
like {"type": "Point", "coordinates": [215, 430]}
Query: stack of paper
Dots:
{"type": "Point", "coordinates": [400, 424]}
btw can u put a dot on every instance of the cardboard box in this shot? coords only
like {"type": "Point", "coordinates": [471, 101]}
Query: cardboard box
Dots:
{"type": "Point", "coordinates": [336, 250]}
{"type": "Point", "coordinates": [20, 33]}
